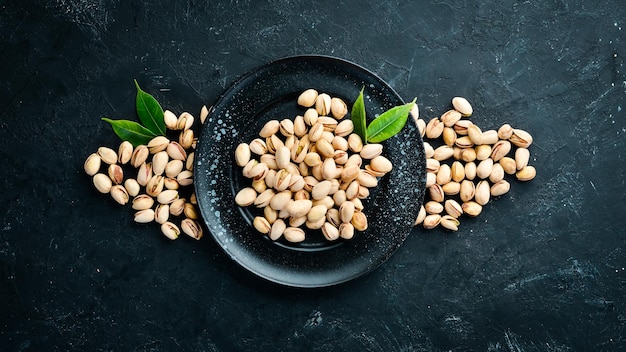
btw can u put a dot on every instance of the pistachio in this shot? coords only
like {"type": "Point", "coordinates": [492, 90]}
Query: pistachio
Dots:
{"type": "Point", "coordinates": [170, 183]}
{"type": "Point", "coordinates": [286, 127]}
{"type": "Point", "coordinates": [433, 207]}
{"type": "Point", "coordinates": [499, 188]}
{"type": "Point", "coordinates": [299, 126]}
{"type": "Point", "coordinates": [92, 164]}
{"type": "Point", "coordinates": [483, 170]}
{"type": "Point", "coordinates": [246, 197]}
{"type": "Point", "coordinates": [204, 113]}
{"type": "Point", "coordinates": [142, 202]}
{"type": "Point", "coordinates": [322, 104]}
{"type": "Point", "coordinates": [522, 155]}
{"type": "Point", "coordinates": [116, 174]}
{"type": "Point", "coordinates": [431, 221]}
{"type": "Point", "coordinates": [489, 137]}
{"type": "Point", "coordinates": [307, 98]}
{"type": "Point", "coordinates": [340, 157]}
{"type": "Point", "coordinates": [177, 207]}
{"type": "Point", "coordinates": [461, 127]}
{"type": "Point", "coordinates": [297, 183]}
{"type": "Point", "coordinates": [186, 138]}
{"type": "Point", "coordinates": [299, 208]}
{"type": "Point", "coordinates": [354, 159]}
{"type": "Point", "coordinates": [176, 151]}
{"type": "Point", "coordinates": [431, 179]}
{"type": "Point", "coordinates": [462, 105]}
{"type": "Point", "coordinates": [277, 229]}
{"type": "Point", "coordinates": [366, 180]}
{"type": "Point", "coordinates": [159, 161]}
{"type": "Point", "coordinates": [434, 128]}
{"type": "Point", "coordinates": [185, 178]}
{"type": "Point", "coordinates": [108, 155]}
{"type": "Point", "coordinates": [184, 121]}
{"type": "Point", "coordinates": [472, 208]}
{"type": "Point", "coordinates": [508, 165]}
{"type": "Point", "coordinates": [457, 171]}
{"type": "Point", "coordinates": [270, 128]}
{"type": "Point", "coordinates": [190, 211]}
{"type": "Point", "coordinates": [429, 151]}
{"type": "Point", "coordinates": [468, 155]}
{"type": "Point", "coordinates": [193, 199]}
{"type": "Point", "coordinates": [173, 168]}
{"type": "Point", "coordinates": [482, 192]}
{"type": "Point", "coordinates": [324, 148]}
{"type": "Point", "coordinates": [329, 123]}
{"type": "Point", "coordinates": [500, 150]}
{"type": "Point", "coordinates": [453, 208]}
{"type": "Point", "coordinates": [521, 138]}
{"type": "Point", "coordinates": [155, 185]}
{"type": "Point", "coordinates": [450, 117]}
{"type": "Point", "coordinates": [483, 151]}
{"type": "Point", "coordinates": [451, 188]}
{"type": "Point", "coordinates": [167, 196]}
{"type": "Point", "coordinates": [346, 230]}
{"type": "Point", "coordinates": [436, 193]}
{"type": "Point", "coordinates": [443, 152]}
{"type": "Point", "coordinates": [102, 183]}
{"type": "Point", "coordinates": [497, 173]}
{"type": "Point", "coordinates": [132, 187]}
{"type": "Point", "coordinates": [157, 144]}
{"type": "Point", "coordinates": [119, 194]}
{"type": "Point", "coordinates": [124, 152]}
{"type": "Point", "coordinates": [139, 156]}
{"type": "Point", "coordinates": [346, 211]}
{"type": "Point", "coordinates": [444, 175]}
{"type": "Point", "coordinates": [421, 127]}
{"type": "Point", "coordinates": [317, 212]}
{"type": "Point", "coordinates": [381, 164]}
{"type": "Point", "coordinates": [310, 116]}
{"type": "Point", "coordinates": [338, 108]}
{"type": "Point", "coordinates": [191, 228]}
{"type": "Point", "coordinates": [355, 144]}
{"type": "Point", "coordinates": [420, 216]}
{"type": "Point", "coordinates": [467, 191]}
{"type": "Point", "coordinates": [294, 234]}
{"type": "Point", "coordinates": [280, 200]}
{"type": "Point", "coordinates": [470, 170]}
{"type": "Point", "coordinates": [144, 216]}
{"type": "Point", "coordinates": [161, 213]}
{"type": "Point", "coordinates": [359, 221]}
{"type": "Point", "coordinates": [271, 144]}
{"type": "Point", "coordinates": [330, 232]}
{"type": "Point", "coordinates": [344, 128]}
{"type": "Point", "coordinates": [321, 190]}
{"type": "Point", "coordinates": [475, 134]}
{"type": "Point", "coordinates": [170, 119]}
{"type": "Point", "coordinates": [526, 174]}
{"type": "Point", "coordinates": [449, 136]}
{"type": "Point", "coordinates": [449, 222]}
{"type": "Point", "coordinates": [258, 146]}
{"type": "Point", "coordinates": [464, 142]}
{"type": "Point", "coordinates": [170, 230]}
{"type": "Point", "coordinates": [505, 131]}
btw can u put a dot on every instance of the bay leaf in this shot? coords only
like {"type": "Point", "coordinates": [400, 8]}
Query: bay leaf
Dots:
{"type": "Point", "coordinates": [149, 111]}
{"type": "Point", "coordinates": [131, 131]}
{"type": "Point", "coordinates": [357, 115]}
{"type": "Point", "coordinates": [389, 123]}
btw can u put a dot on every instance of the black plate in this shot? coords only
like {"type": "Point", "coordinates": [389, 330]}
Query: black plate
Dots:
{"type": "Point", "coordinates": [270, 92]}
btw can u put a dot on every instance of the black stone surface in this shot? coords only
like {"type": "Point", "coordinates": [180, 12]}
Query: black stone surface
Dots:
{"type": "Point", "coordinates": [542, 269]}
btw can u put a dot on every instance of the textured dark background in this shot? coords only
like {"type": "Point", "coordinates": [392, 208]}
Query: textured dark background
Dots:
{"type": "Point", "coordinates": [542, 269]}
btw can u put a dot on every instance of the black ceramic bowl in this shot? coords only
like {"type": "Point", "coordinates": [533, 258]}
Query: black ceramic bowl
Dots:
{"type": "Point", "coordinates": [270, 92]}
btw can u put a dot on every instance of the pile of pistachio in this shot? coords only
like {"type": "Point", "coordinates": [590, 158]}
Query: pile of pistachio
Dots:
{"type": "Point", "coordinates": [154, 178]}
{"type": "Point", "coordinates": [467, 166]}
{"type": "Point", "coordinates": [311, 171]}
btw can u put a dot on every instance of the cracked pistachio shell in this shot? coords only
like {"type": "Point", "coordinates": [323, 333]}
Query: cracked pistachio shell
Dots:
{"type": "Point", "coordinates": [157, 144]}
{"type": "Point", "coordinates": [443, 152]}
{"type": "Point", "coordinates": [177, 207]}
{"type": "Point", "coordinates": [124, 152]}
{"type": "Point", "coordinates": [467, 191]}
{"type": "Point", "coordinates": [286, 127]}
{"type": "Point", "coordinates": [142, 202]}
{"type": "Point", "coordinates": [450, 223]}
{"type": "Point", "coordinates": [170, 230]}
{"type": "Point", "coordinates": [505, 131]}
{"type": "Point", "coordinates": [299, 127]}
{"type": "Point", "coordinates": [450, 117]}
{"type": "Point", "coordinates": [310, 116]}
{"type": "Point", "coordinates": [344, 128]}
{"type": "Point", "coordinates": [338, 108]}
{"type": "Point", "coordinates": [139, 156]}
{"type": "Point", "coordinates": [381, 164]}
{"type": "Point", "coordinates": [294, 234]}
{"type": "Point", "coordinates": [483, 192]}
{"type": "Point", "coordinates": [307, 98]}
{"type": "Point", "coordinates": [453, 208]}
{"type": "Point", "coordinates": [176, 151]}
{"type": "Point", "coordinates": [355, 143]}
{"type": "Point", "coordinates": [472, 208]}
{"type": "Point", "coordinates": [184, 121]}
{"type": "Point", "coordinates": [521, 138]}
{"type": "Point", "coordinates": [277, 229]}
{"type": "Point", "coordinates": [463, 106]}
{"type": "Point", "coordinates": [191, 228]}
{"type": "Point", "coordinates": [170, 183]}
{"type": "Point", "coordinates": [434, 128]}
{"type": "Point", "coordinates": [144, 216]}
{"type": "Point", "coordinates": [167, 196]}
{"type": "Point", "coordinates": [190, 211]}
{"type": "Point", "coordinates": [107, 155]}
{"type": "Point", "coordinates": [475, 134]}
{"type": "Point", "coordinates": [461, 127]}
{"type": "Point", "coordinates": [322, 104]}
{"type": "Point", "coordinates": [102, 183]}
{"type": "Point", "coordinates": [161, 213]}
{"type": "Point", "coordinates": [132, 187]}
{"type": "Point", "coordinates": [497, 173]}
{"type": "Point", "coordinates": [431, 221]}
{"type": "Point", "coordinates": [371, 150]}
{"type": "Point", "coordinates": [185, 178]}
{"type": "Point", "coordinates": [119, 194]}
{"type": "Point", "coordinates": [116, 173]}
{"type": "Point", "coordinates": [155, 185]}
{"type": "Point", "coordinates": [433, 207]}
{"type": "Point", "coordinates": [330, 232]}
{"type": "Point", "coordinates": [246, 197]}
{"type": "Point", "coordinates": [500, 150]}
{"type": "Point", "coordinates": [92, 164]}
{"type": "Point", "coordinates": [186, 138]}
{"type": "Point", "coordinates": [346, 230]}
{"type": "Point", "coordinates": [499, 188]}
{"type": "Point", "coordinates": [173, 168]}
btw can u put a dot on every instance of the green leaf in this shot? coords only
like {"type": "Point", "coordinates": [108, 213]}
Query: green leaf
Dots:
{"type": "Point", "coordinates": [150, 112]}
{"type": "Point", "coordinates": [389, 123]}
{"type": "Point", "coordinates": [358, 117]}
{"type": "Point", "coordinates": [131, 131]}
